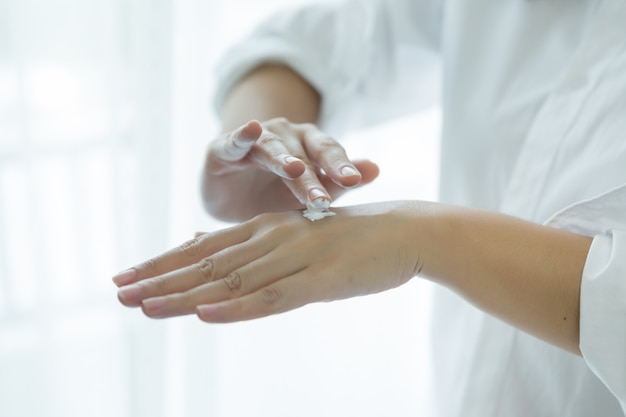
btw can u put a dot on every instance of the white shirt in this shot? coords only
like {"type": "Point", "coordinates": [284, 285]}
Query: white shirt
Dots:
{"type": "Point", "coordinates": [534, 125]}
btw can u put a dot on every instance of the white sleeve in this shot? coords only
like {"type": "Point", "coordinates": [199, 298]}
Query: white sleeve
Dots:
{"type": "Point", "coordinates": [603, 286]}
{"type": "Point", "coordinates": [603, 312]}
{"type": "Point", "coordinates": [364, 57]}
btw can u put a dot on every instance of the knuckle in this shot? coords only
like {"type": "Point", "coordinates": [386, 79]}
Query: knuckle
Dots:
{"type": "Point", "coordinates": [190, 247]}
{"type": "Point", "coordinates": [321, 143]}
{"type": "Point", "coordinates": [233, 282]}
{"type": "Point", "coordinates": [205, 270]}
{"type": "Point", "coordinates": [271, 297]}
{"type": "Point", "coordinates": [151, 266]}
{"type": "Point", "coordinates": [326, 142]}
{"type": "Point", "coordinates": [267, 139]}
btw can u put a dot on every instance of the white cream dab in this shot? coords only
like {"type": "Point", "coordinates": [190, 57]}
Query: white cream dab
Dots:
{"type": "Point", "coordinates": [317, 212]}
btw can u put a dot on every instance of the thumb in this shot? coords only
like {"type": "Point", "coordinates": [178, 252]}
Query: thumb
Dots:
{"type": "Point", "coordinates": [236, 145]}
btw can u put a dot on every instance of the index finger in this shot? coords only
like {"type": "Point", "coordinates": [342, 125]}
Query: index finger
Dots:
{"type": "Point", "coordinates": [190, 252]}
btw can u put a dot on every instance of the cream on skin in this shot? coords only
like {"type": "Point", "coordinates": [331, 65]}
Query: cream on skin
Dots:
{"type": "Point", "coordinates": [317, 211]}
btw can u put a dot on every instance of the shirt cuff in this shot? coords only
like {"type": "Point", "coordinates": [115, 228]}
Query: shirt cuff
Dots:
{"type": "Point", "coordinates": [603, 312]}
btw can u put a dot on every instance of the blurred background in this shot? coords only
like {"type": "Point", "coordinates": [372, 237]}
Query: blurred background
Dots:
{"type": "Point", "coordinates": [104, 118]}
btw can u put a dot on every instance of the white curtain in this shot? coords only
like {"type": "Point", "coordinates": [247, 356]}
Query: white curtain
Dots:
{"type": "Point", "coordinates": [104, 118]}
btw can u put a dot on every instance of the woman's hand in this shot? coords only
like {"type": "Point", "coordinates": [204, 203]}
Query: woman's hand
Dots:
{"type": "Point", "coordinates": [277, 262]}
{"type": "Point", "coordinates": [522, 272]}
{"type": "Point", "coordinates": [275, 166]}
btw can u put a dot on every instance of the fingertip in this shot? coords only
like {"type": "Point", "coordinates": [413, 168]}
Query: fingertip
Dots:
{"type": "Point", "coordinates": [294, 167]}
{"type": "Point", "coordinates": [208, 313]}
{"type": "Point", "coordinates": [350, 176]}
{"type": "Point", "coordinates": [251, 130]}
{"type": "Point", "coordinates": [125, 277]}
{"type": "Point", "coordinates": [155, 307]}
{"type": "Point", "coordinates": [319, 199]}
{"type": "Point", "coordinates": [236, 144]}
{"type": "Point", "coordinates": [368, 169]}
{"type": "Point", "coordinates": [130, 295]}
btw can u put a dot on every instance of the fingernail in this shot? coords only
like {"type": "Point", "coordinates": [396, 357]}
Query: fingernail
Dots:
{"type": "Point", "coordinates": [349, 171]}
{"type": "Point", "coordinates": [125, 277]}
{"type": "Point", "coordinates": [291, 159]}
{"type": "Point", "coordinates": [319, 199]}
{"type": "Point", "coordinates": [130, 294]}
{"type": "Point", "coordinates": [154, 307]}
{"type": "Point", "coordinates": [316, 194]}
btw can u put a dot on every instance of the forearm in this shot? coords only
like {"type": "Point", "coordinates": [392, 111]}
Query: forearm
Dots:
{"type": "Point", "coordinates": [268, 92]}
{"type": "Point", "coordinates": [526, 274]}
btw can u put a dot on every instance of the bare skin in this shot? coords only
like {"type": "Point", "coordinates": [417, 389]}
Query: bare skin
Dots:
{"type": "Point", "coordinates": [526, 274]}
{"type": "Point", "coordinates": [275, 165]}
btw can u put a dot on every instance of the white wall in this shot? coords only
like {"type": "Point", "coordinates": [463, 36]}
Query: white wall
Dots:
{"type": "Point", "coordinates": [104, 117]}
